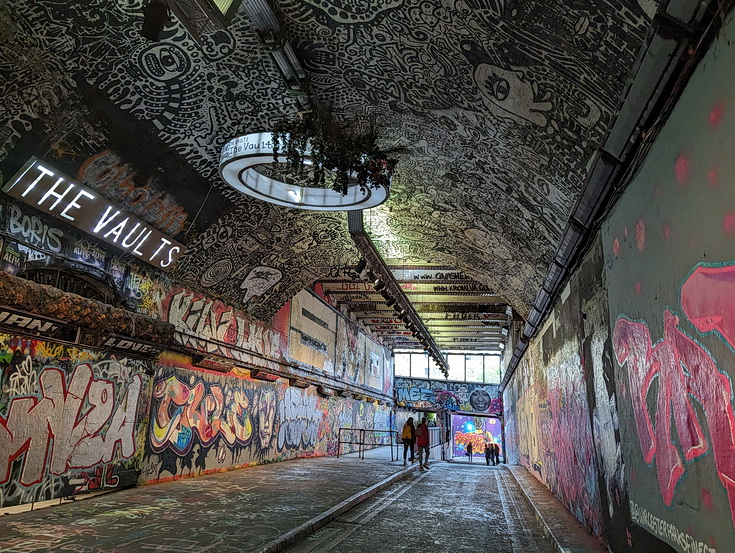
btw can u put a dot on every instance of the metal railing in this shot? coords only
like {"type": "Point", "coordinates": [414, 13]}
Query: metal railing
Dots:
{"type": "Point", "coordinates": [368, 438]}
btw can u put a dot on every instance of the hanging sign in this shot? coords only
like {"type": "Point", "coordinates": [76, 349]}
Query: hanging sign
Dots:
{"type": "Point", "coordinates": [45, 188]}
{"type": "Point", "coordinates": [15, 321]}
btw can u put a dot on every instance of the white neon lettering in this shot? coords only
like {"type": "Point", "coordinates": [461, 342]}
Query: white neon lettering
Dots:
{"type": "Point", "coordinates": [140, 243]}
{"type": "Point", "coordinates": [104, 220]}
{"type": "Point", "coordinates": [117, 230]}
{"type": "Point", "coordinates": [164, 243]}
{"type": "Point", "coordinates": [44, 173]}
{"type": "Point", "coordinates": [74, 205]}
{"type": "Point", "coordinates": [171, 253]}
{"type": "Point", "coordinates": [52, 192]}
{"type": "Point", "coordinates": [124, 242]}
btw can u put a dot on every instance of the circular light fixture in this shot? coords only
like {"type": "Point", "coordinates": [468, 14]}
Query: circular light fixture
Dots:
{"type": "Point", "coordinates": [236, 167]}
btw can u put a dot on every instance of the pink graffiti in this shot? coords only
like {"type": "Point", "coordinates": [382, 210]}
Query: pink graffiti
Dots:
{"type": "Point", "coordinates": [684, 370]}
{"type": "Point", "coordinates": [184, 410]}
{"type": "Point", "coordinates": [446, 399]}
{"type": "Point", "coordinates": [496, 406]}
{"type": "Point", "coordinates": [72, 427]}
{"type": "Point", "coordinates": [707, 298]}
{"type": "Point", "coordinates": [570, 448]}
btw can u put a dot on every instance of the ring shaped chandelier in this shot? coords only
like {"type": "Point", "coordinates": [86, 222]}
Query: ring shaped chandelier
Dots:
{"type": "Point", "coordinates": [239, 157]}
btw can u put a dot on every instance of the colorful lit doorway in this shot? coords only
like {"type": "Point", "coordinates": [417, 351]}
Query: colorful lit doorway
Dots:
{"type": "Point", "coordinates": [477, 431]}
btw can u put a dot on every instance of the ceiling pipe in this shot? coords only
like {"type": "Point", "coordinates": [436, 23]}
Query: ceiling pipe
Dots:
{"type": "Point", "coordinates": [366, 247]}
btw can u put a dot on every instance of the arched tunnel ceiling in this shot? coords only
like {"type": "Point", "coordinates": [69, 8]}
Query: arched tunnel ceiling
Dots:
{"type": "Point", "coordinates": [497, 106]}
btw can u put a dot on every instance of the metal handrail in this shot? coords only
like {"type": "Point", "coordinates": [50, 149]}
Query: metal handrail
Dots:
{"type": "Point", "coordinates": [362, 443]}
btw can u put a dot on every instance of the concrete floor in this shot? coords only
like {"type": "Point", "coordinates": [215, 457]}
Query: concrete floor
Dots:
{"type": "Point", "coordinates": [451, 508]}
{"type": "Point", "coordinates": [373, 504]}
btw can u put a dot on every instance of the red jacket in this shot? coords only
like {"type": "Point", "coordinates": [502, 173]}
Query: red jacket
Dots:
{"type": "Point", "coordinates": [422, 438]}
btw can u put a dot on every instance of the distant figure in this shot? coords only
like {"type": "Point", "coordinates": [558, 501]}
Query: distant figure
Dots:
{"type": "Point", "coordinates": [496, 451]}
{"type": "Point", "coordinates": [469, 451]}
{"type": "Point", "coordinates": [489, 453]}
{"type": "Point", "coordinates": [408, 435]}
{"type": "Point", "coordinates": [422, 441]}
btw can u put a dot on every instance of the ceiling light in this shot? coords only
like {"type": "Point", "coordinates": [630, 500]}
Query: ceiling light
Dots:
{"type": "Point", "coordinates": [237, 169]}
{"type": "Point", "coordinates": [379, 285]}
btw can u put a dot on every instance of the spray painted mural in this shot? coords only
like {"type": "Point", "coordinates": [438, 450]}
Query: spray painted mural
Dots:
{"type": "Point", "coordinates": [552, 420]}
{"type": "Point", "coordinates": [477, 431]}
{"type": "Point", "coordinates": [455, 396]}
{"type": "Point", "coordinates": [208, 325]}
{"type": "Point", "coordinates": [563, 417]}
{"type": "Point", "coordinates": [668, 249]}
{"type": "Point", "coordinates": [203, 422]}
{"type": "Point", "coordinates": [71, 420]}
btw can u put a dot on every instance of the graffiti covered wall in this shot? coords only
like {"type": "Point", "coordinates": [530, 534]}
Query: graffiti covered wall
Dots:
{"type": "Point", "coordinates": [554, 427]}
{"type": "Point", "coordinates": [204, 422]}
{"type": "Point", "coordinates": [623, 404]}
{"type": "Point", "coordinates": [71, 420]}
{"type": "Point", "coordinates": [441, 394]}
{"type": "Point", "coordinates": [669, 253]}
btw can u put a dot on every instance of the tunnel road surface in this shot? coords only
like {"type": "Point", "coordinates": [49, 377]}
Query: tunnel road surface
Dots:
{"type": "Point", "coordinates": [450, 508]}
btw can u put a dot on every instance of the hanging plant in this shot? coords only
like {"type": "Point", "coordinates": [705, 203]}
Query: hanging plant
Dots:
{"type": "Point", "coordinates": [338, 156]}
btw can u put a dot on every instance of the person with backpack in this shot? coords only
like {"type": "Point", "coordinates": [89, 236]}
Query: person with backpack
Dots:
{"type": "Point", "coordinates": [422, 441]}
{"type": "Point", "coordinates": [408, 435]}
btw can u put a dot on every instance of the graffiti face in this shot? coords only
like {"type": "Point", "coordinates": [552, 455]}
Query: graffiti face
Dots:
{"type": "Point", "coordinates": [258, 281]}
{"type": "Point", "coordinates": [480, 400]}
{"type": "Point", "coordinates": [442, 395]}
{"type": "Point", "coordinates": [164, 62]}
{"type": "Point", "coordinates": [266, 416]}
{"type": "Point", "coordinates": [505, 88]}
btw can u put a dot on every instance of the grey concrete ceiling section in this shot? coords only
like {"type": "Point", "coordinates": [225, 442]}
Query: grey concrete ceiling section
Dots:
{"type": "Point", "coordinates": [497, 107]}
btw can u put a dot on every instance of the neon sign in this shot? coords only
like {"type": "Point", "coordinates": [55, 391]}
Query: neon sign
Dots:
{"type": "Point", "coordinates": [46, 189]}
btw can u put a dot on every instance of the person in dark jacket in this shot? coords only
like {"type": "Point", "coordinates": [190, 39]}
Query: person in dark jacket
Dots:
{"type": "Point", "coordinates": [496, 451]}
{"type": "Point", "coordinates": [408, 435]}
{"type": "Point", "coordinates": [422, 441]}
{"type": "Point", "coordinates": [489, 453]}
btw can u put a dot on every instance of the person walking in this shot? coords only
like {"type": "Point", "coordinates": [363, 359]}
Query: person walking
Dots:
{"type": "Point", "coordinates": [422, 441]}
{"type": "Point", "coordinates": [408, 435]}
{"type": "Point", "coordinates": [489, 453]}
{"type": "Point", "coordinates": [496, 452]}
{"type": "Point", "coordinates": [470, 451]}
